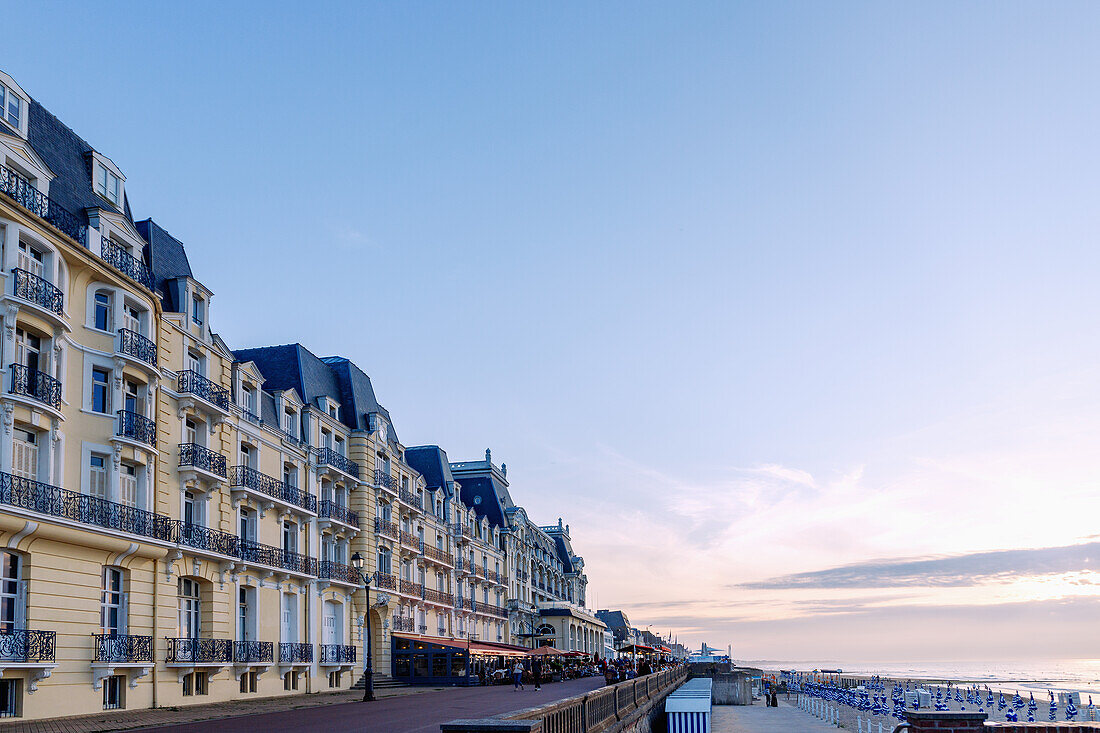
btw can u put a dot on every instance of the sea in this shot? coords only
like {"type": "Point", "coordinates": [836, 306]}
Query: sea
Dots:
{"type": "Point", "coordinates": [1032, 676]}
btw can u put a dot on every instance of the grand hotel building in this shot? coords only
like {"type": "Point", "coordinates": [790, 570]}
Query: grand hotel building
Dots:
{"type": "Point", "coordinates": [178, 517]}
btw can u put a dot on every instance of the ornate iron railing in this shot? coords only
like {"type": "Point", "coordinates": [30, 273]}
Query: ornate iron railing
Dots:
{"type": "Point", "coordinates": [23, 192]}
{"type": "Point", "coordinates": [460, 532]}
{"type": "Point", "coordinates": [137, 427]}
{"type": "Point", "coordinates": [194, 383]}
{"type": "Point", "coordinates": [245, 652]}
{"type": "Point", "coordinates": [117, 256]}
{"type": "Point", "coordinates": [250, 478]}
{"type": "Point", "coordinates": [37, 385]}
{"type": "Point", "coordinates": [277, 557]}
{"type": "Point", "coordinates": [385, 581]}
{"type": "Point", "coordinates": [403, 623]}
{"type": "Point", "coordinates": [337, 654]}
{"type": "Point", "coordinates": [339, 512]}
{"type": "Point", "coordinates": [384, 479]}
{"type": "Point", "coordinates": [39, 291]}
{"type": "Point", "coordinates": [439, 597]}
{"type": "Point", "coordinates": [45, 499]}
{"type": "Point", "coordinates": [208, 651]}
{"type": "Point", "coordinates": [408, 538]}
{"type": "Point", "coordinates": [28, 645]}
{"type": "Point", "coordinates": [411, 588]}
{"type": "Point", "coordinates": [438, 555]}
{"type": "Point", "coordinates": [410, 498]}
{"type": "Point", "coordinates": [389, 529]}
{"type": "Point", "coordinates": [338, 571]}
{"type": "Point", "coordinates": [133, 344]}
{"type": "Point", "coordinates": [199, 456]}
{"type": "Point", "coordinates": [330, 457]}
{"type": "Point", "coordinates": [251, 416]}
{"type": "Point", "coordinates": [461, 566]}
{"type": "Point", "coordinates": [292, 652]}
{"type": "Point", "coordinates": [123, 648]}
{"type": "Point", "coordinates": [489, 609]}
{"type": "Point", "coordinates": [205, 538]}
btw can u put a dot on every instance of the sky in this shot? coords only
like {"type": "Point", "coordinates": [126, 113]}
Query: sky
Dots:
{"type": "Point", "coordinates": [787, 309]}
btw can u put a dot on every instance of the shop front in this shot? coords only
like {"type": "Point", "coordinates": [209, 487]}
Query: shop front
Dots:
{"type": "Point", "coordinates": [427, 660]}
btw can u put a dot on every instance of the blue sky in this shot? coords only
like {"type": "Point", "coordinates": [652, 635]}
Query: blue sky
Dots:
{"type": "Point", "coordinates": [740, 291]}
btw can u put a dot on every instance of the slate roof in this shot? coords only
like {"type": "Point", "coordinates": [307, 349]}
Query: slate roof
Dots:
{"type": "Point", "coordinates": [613, 619]}
{"type": "Point", "coordinates": [563, 552]}
{"type": "Point", "coordinates": [430, 461]}
{"type": "Point", "coordinates": [166, 255]}
{"type": "Point", "coordinates": [480, 494]}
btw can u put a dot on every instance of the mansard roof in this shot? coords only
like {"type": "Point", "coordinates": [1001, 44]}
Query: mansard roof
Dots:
{"type": "Point", "coordinates": [430, 461]}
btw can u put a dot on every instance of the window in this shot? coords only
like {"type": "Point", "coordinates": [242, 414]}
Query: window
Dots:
{"type": "Point", "coordinates": [332, 411]}
{"type": "Point", "coordinates": [189, 609]}
{"type": "Point", "coordinates": [112, 615]}
{"type": "Point", "coordinates": [384, 560]}
{"type": "Point", "coordinates": [113, 688]}
{"type": "Point", "coordinates": [101, 396]}
{"type": "Point", "coordinates": [290, 424]}
{"type": "Point", "coordinates": [11, 694]}
{"type": "Point", "coordinates": [109, 186]}
{"type": "Point", "coordinates": [248, 525]}
{"type": "Point", "coordinates": [24, 460]}
{"type": "Point", "coordinates": [30, 259]}
{"type": "Point", "coordinates": [102, 319]}
{"type": "Point", "coordinates": [27, 349]}
{"type": "Point", "coordinates": [198, 310]}
{"type": "Point", "coordinates": [290, 475]}
{"type": "Point", "coordinates": [334, 679]}
{"type": "Point", "coordinates": [195, 684]}
{"type": "Point", "coordinates": [132, 402]}
{"type": "Point", "coordinates": [290, 537]}
{"type": "Point", "coordinates": [190, 432]}
{"type": "Point", "coordinates": [127, 484]}
{"type": "Point", "coordinates": [191, 508]}
{"type": "Point", "coordinates": [247, 456]}
{"type": "Point", "coordinates": [131, 318]}
{"type": "Point", "coordinates": [97, 476]}
{"type": "Point", "coordinates": [245, 630]}
{"type": "Point", "coordinates": [11, 106]}
{"type": "Point", "coordinates": [194, 363]}
{"type": "Point", "coordinates": [248, 682]}
{"type": "Point", "coordinates": [13, 594]}
{"type": "Point", "coordinates": [290, 681]}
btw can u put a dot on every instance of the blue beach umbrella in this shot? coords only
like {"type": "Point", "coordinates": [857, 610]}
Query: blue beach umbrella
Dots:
{"type": "Point", "coordinates": [1053, 714]}
{"type": "Point", "coordinates": [1032, 708]}
{"type": "Point", "coordinates": [1011, 716]}
{"type": "Point", "coordinates": [1001, 704]}
{"type": "Point", "coordinates": [1017, 702]}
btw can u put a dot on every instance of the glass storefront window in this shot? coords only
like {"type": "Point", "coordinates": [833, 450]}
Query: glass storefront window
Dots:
{"type": "Point", "coordinates": [439, 665]}
{"type": "Point", "coordinates": [420, 665]}
{"type": "Point", "coordinates": [458, 665]}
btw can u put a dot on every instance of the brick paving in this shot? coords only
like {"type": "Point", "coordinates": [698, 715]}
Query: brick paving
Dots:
{"type": "Point", "coordinates": [399, 710]}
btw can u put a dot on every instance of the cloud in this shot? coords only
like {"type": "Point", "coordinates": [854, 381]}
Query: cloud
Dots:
{"type": "Point", "coordinates": [951, 571]}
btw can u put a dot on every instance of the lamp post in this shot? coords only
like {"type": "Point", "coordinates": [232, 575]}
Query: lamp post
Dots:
{"type": "Point", "coordinates": [368, 685]}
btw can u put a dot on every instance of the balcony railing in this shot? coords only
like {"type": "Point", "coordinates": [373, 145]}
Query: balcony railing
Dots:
{"type": "Point", "coordinates": [337, 654]}
{"type": "Point", "coordinates": [411, 588]}
{"type": "Point", "coordinates": [408, 538]}
{"type": "Point", "coordinates": [39, 291]}
{"type": "Point", "coordinates": [423, 628]}
{"type": "Point", "coordinates": [28, 645]}
{"type": "Point", "coordinates": [493, 577]}
{"type": "Point", "coordinates": [438, 555]}
{"type": "Point", "coordinates": [460, 532]}
{"type": "Point", "coordinates": [403, 623]}
{"type": "Point", "coordinates": [339, 512]}
{"type": "Point", "coordinates": [191, 382]}
{"type": "Point", "coordinates": [199, 456]}
{"type": "Point", "coordinates": [133, 344]}
{"type": "Point", "coordinates": [252, 652]}
{"type": "Point", "coordinates": [116, 256]}
{"type": "Point", "coordinates": [389, 529]}
{"type": "Point", "coordinates": [23, 192]}
{"type": "Point", "coordinates": [338, 571]}
{"type": "Point", "coordinates": [410, 498]}
{"type": "Point", "coordinates": [461, 566]}
{"type": "Point", "coordinates": [329, 457]}
{"type": "Point", "coordinates": [292, 652]}
{"type": "Point", "coordinates": [45, 499]}
{"type": "Point", "coordinates": [123, 648]}
{"type": "Point", "coordinates": [490, 610]}
{"type": "Point", "coordinates": [384, 479]}
{"type": "Point", "coordinates": [250, 478]}
{"type": "Point", "coordinates": [385, 581]}
{"type": "Point", "coordinates": [277, 557]}
{"type": "Point", "coordinates": [251, 416]}
{"type": "Point", "coordinates": [37, 385]}
{"type": "Point", "coordinates": [437, 596]}
{"type": "Point", "coordinates": [198, 651]}
{"type": "Point", "coordinates": [137, 427]}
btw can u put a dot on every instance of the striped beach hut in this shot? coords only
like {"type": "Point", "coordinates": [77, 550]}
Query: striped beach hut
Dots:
{"type": "Point", "coordinates": [688, 708]}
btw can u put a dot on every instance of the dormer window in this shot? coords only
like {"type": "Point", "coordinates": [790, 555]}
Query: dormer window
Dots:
{"type": "Point", "coordinates": [109, 186]}
{"type": "Point", "coordinates": [11, 105]}
{"type": "Point", "coordinates": [198, 310]}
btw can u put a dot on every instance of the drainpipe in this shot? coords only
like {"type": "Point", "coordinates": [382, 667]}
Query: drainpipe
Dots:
{"type": "Point", "coordinates": [156, 613]}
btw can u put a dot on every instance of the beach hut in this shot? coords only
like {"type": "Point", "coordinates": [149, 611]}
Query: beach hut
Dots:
{"type": "Point", "coordinates": [687, 709]}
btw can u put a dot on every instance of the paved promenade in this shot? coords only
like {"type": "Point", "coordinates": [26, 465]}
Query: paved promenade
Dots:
{"type": "Point", "coordinates": [404, 710]}
{"type": "Point", "coordinates": [759, 719]}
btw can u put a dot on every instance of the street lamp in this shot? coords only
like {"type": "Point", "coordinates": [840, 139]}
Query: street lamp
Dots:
{"type": "Point", "coordinates": [368, 685]}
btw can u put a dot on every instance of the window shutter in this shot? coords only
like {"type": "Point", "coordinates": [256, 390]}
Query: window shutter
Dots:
{"type": "Point", "coordinates": [123, 614]}
{"type": "Point", "coordinates": [21, 604]}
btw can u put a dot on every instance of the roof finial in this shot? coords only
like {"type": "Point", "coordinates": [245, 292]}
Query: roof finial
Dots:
{"type": "Point", "coordinates": [504, 469]}
{"type": "Point", "coordinates": [488, 456]}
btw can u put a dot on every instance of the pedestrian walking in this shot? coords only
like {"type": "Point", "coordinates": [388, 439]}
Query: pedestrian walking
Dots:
{"type": "Point", "coordinates": [536, 670]}
{"type": "Point", "coordinates": [517, 676]}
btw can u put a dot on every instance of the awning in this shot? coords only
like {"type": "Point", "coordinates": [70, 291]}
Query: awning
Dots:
{"type": "Point", "coordinates": [497, 650]}
{"type": "Point", "coordinates": [545, 651]}
{"type": "Point", "coordinates": [637, 649]}
{"type": "Point", "coordinates": [456, 644]}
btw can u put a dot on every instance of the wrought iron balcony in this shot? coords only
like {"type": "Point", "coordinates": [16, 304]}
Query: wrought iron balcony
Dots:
{"type": "Point", "coordinates": [460, 532]}
{"type": "Point", "coordinates": [408, 538]}
{"type": "Point", "coordinates": [250, 478]}
{"type": "Point", "coordinates": [384, 479]}
{"type": "Point", "coordinates": [387, 528]}
{"type": "Point", "coordinates": [134, 345]}
{"type": "Point", "coordinates": [462, 566]}
{"type": "Point", "coordinates": [23, 192]}
{"type": "Point", "coordinates": [337, 654]}
{"type": "Point", "coordinates": [136, 427]}
{"type": "Point", "coordinates": [205, 538]}
{"type": "Point", "coordinates": [292, 652]}
{"type": "Point", "coordinates": [198, 651]}
{"type": "Point", "coordinates": [251, 416]}
{"type": "Point", "coordinates": [191, 382]}
{"type": "Point", "coordinates": [411, 588]}
{"type": "Point", "coordinates": [199, 456]}
{"type": "Point", "coordinates": [385, 581]}
{"type": "Point", "coordinates": [489, 609]}
{"type": "Point", "coordinates": [28, 645]}
{"type": "Point", "coordinates": [37, 385]}
{"type": "Point", "coordinates": [118, 258]}
{"type": "Point", "coordinates": [410, 498]}
{"type": "Point", "coordinates": [403, 623]}
{"type": "Point", "coordinates": [423, 628]}
{"type": "Point", "coordinates": [339, 512]}
{"type": "Point", "coordinates": [38, 290]}
{"type": "Point", "coordinates": [438, 555]}
{"type": "Point", "coordinates": [123, 648]}
{"type": "Point", "coordinates": [252, 652]}
{"type": "Point", "coordinates": [329, 457]}
{"type": "Point", "coordinates": [45, 499]}
{"type": "Point", "coordinates": [277, 557]}
{"type": "Point", "coordinates": [439, 597]}
{"type": "Point", "coordinates": [338, 571]}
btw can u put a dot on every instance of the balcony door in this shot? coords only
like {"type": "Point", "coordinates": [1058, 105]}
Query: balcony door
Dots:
{"type": "Point", "coordinates": [330, 624]}
{"type": "Point", "coordinates": [127, 484]}
{"type": "Point", "coordinates": [31, 260]}
{"type": "Point", "coordinates": [113, 606]}
{"type": "Point", "coordinates": [246, 614]}
{"type": "Point", "coordinates": [131, 319]}
{"type": "Point", "coordinates": [190, 609]}
{"type": "Point", "coordinates": [248, 525]}
{"type": "Point", "coordinates": [13, 593]}
{"type": "Point", "coordinates": [290, 618]}
{"type": "Point", "coordinates": [28, 349]}
{"type": "Point", "coordinates": [131, 399]}
{"type": "Point", "coordinates": [24, 457]}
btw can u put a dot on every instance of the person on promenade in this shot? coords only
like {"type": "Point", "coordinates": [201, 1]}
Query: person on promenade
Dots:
{"type": "Point", "coordinates": [517, 676]}
{"type": "Point", "coordinates": [536, 670]}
